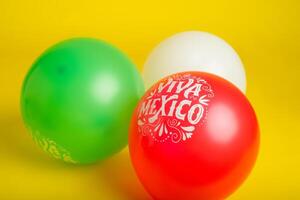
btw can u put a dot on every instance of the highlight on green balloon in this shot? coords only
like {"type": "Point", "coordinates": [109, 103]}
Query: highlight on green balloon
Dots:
{"type": "Point", "coordinates": [77, 100]}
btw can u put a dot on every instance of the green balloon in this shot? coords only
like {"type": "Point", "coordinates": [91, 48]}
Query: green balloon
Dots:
{"type": "Point", "coordinates": [77, 100]}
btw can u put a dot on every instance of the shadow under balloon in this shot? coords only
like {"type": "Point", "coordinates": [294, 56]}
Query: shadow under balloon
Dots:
{"type": "Point", "coordinates": [116, 172]}
{"type": "Point", "coordinates": [119, 173]}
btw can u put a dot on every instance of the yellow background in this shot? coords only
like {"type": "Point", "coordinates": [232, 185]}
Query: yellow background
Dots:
{"type": "Point", "coordinates": [266, 34]}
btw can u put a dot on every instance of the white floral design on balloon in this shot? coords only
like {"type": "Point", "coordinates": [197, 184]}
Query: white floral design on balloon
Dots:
{"type": "Point", "coordinates": [162, 127]}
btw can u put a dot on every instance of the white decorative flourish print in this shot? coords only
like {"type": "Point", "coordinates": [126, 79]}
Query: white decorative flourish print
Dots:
{"type": "Point", "coordinates": [174, 108]}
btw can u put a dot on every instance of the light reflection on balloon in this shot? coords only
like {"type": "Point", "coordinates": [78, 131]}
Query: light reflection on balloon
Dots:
{"type": "Point", "coordinates": [222, 123]}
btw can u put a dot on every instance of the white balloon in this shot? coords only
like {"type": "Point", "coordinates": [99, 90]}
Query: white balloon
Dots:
{"type": "Point", "coordinates": [194, 51]}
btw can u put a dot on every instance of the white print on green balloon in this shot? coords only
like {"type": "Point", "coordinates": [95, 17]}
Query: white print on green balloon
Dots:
{"type": "Point", "coordinates": [52, 148]}
{"type": "Point", "coordinates": [166, 123]}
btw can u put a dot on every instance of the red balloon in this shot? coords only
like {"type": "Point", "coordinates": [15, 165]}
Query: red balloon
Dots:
{"type": "Point", "coordinates": [193, 135]}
